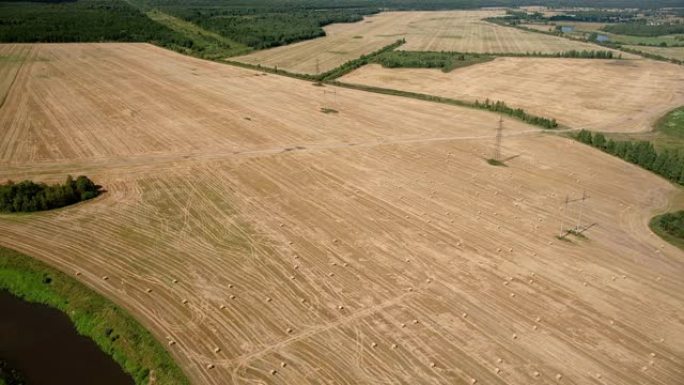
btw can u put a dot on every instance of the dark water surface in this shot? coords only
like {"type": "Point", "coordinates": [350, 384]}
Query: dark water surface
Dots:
{"type": "Point", "coordinates": [43, 345]}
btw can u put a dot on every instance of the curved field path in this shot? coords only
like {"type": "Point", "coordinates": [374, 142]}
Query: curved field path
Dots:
{"type": "Point", "coordinates": [370, 246]}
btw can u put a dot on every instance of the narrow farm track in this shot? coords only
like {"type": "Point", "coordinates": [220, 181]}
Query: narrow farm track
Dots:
{"type": "Point", "coordinates": [370, 246]}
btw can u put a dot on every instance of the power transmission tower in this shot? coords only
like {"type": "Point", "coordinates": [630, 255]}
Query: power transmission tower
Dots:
{"type": "Point", "coordinates": [578, 227]}
{"type": "Point", "coordinates": [497, 148]}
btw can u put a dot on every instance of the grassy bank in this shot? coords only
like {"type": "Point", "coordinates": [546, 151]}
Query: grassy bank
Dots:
{"type": "Point", "coordinates": [670, 227]}
{"type": "Point", "coordinates": [114, 331]}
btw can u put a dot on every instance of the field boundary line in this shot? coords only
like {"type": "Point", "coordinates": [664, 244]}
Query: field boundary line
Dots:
{"type": "Point", "coordinates": [11, 85]}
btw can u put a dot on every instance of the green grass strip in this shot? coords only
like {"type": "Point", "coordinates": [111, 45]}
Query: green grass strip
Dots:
{"type": "Point", "coordinates": [112, 329]}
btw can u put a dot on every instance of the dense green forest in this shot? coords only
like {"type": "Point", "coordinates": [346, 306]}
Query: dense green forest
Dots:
{"type": "Point", "coordinates": [86, 20]}
{"type": "Point", "coordinates": [667, 163]}
{"type": "Point", "coordinates": [28, 196]}
{"type": "Point", "coordinates": [267, 27]}
{"type": "Point", "coordinates": [644, 29]}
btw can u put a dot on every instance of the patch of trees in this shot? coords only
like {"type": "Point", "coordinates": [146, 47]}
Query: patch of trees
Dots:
{"type": "Point", "coordinates": [446, 61]}
{"type": "Point", "coordinates": [518, 113]}
{"type": "Point", "coordinates": [28, 196]}
{"type": "Point", "coordinates": [668, 163]}
{"type": "Point", "coordinates": [82, 21]}
{"type": "Point", "coordinates": [645, 29]}
{"type": "Point", "coordinates": [672, 224]}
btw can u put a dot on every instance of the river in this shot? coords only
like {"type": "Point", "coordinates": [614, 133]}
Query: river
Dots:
{"type": "Point", "coordinates": [42, 344]}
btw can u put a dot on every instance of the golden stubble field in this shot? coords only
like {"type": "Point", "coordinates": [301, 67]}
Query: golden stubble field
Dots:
{"type": "Point", "coordinates": [604, 95]}
{"type": "Point", "coordinates": [461, 31]}
{"type": "Point", "coordinates": [374, 245]}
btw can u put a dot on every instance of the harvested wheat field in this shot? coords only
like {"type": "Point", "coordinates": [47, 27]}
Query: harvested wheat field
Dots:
{"type": "Point", "coordinates": [374, 245]}
{"type": "Point", "coordinates": [462, 31]}
{"type": "Point", "coordinates": [605, 95]}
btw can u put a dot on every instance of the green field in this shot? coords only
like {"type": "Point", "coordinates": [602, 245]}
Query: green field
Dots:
{"type": "Point", "coordinates": [114, 331]}
{"type": "Point", "coordinates": [667, 134]}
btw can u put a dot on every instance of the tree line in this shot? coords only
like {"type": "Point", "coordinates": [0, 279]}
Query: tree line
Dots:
{"type": "Point", "coordinates": [668, 163]}
{"type": "Point", "coordinates": [501, 107]}
{"type": "Point", "coordinates": [27, 196]}
{"type": "Point", "coordinates": [642, 28]}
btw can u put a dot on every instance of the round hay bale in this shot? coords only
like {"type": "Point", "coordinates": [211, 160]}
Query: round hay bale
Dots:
{"type": "Point", "coordinates": [184, 301]}
{"type": "Point", "coordinates": [394, 346]}
{"type": "Point", "coordinates": [274, 372]}
{"type": "Point", "coordinates": [373, 345]}
{"type": "Point", "coordinates": [536, 374]}
{"type": "Point", "coordinates": [210, 366]}
{"type": "Point", "coordinates": [232, 296]}
{"type": "Point", "coordinates": [499, 360]}
{"type": "Point", "coordinates": [269, 299]}
{"type": "Point", "coordinates": [222, 307]}
{"type": "Point", "coordinates": [217, 349]}
{"type": "Point", "coordinates": [283, 364]}
{"type": "Point", "coordinates": [104, 277]}
{"type": "Point", "coordinates": [78, 273]}
{"type": "Point", "coordinates": [148, 290]}
{"type": "Point", "coordinates": [515, 336]}
{"type": "Point", "coordinates": [171, 343]}
{"type": "Point", "coordinates": [497, 370]}
{"type": "Point", "coordinates": [289, 330]}
{"type": "Point", "coordinates": [559, 376]}
{"type": "Point", "coordinates": [432, 364]}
